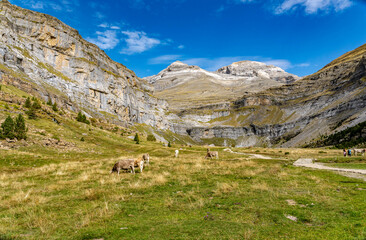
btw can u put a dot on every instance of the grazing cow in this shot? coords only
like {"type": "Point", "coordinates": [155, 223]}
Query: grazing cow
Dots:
{"type": "Point", "coordinates": [146, 158]}
{"type": "Point", "coordinates": [176, 153]}
{"type": "Point", "coordinates": [357, 150]}
{"type": "Point", "coordinates": [125, 164]}
{"type": "Point", "coordinates": [139, 163]}
{"type": "Point", "coordinates": [211, 154]}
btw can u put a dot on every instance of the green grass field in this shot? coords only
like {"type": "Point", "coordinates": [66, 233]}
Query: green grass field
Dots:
{"type": "Point", "coordinates": [47, 193]}
{"type": "Point", "coordinates": [67, 192]}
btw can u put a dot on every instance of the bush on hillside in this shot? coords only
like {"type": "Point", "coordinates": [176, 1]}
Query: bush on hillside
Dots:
{"type": "Point", "coordinates": [151, 138]}
{"type": "Point", "coordinates": [82, 118]}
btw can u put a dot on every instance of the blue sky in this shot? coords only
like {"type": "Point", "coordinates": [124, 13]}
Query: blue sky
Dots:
{"type": "Point", "coordinates": [300, 36]}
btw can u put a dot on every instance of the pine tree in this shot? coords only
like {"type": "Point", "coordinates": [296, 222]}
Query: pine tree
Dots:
{"type": "Point", "coordinates": [31, 113]}
{"type": "Point", "coordinates": [49, 102]}
{"type": "Point", "coordinates": [28, 103]}
{"type": "Point", "coordinates": [169, 145]}
{"type": "Point", "coordinates": [20, 128]}
{"type": "Point", "coordinates": [36, 105]}
{"type": "Point", "coordinates": [54, 107]}
{"type": "Point", "coordinates": [82, 118]}
{"type": "Point", "coordinates": [137, 138]}
{"type": "Point", "coordinates": [8, 128]}
{"type": "Point", "coordinates": [79, 118]}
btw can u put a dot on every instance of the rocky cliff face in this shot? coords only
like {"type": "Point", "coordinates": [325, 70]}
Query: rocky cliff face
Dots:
{"type": "Point", "coordinates": [40, 53]}
{"type": "Point", "coordinates": [296, 114]}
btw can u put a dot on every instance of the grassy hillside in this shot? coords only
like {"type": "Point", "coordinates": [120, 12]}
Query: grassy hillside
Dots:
{"type": "Point", "coordinates": [55, 186]}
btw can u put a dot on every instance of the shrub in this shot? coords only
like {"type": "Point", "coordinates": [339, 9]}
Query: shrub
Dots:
{"type": "Point", "coordinates": [49, 102]}
{"type": "Point", "coordinates": [82, 139]}
{"type": "Point", "coordinates": [151, 138]}
{"type": "Point", "coordinates": [31, 113]}
{"type": "Point", "coordinates": [82, 118]}
{"type": "Point", "coordinates": [28, 103]}
{"type": "Point", "coordinates": [56, 138]}
{"type": "Point", "coordinates": [36, 104]}
{"type": "Point", "coordinates": [54, 107]}
{"type": "Point", "coordinates": [287, 153]}
{"type": "Point", "coordinates": [169, 144]}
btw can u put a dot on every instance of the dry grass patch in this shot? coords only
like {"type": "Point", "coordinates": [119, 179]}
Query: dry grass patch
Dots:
{"type": "Point", "coordinates": [262, 186]}
{"type": "Point", "coordinates": [224, 188]}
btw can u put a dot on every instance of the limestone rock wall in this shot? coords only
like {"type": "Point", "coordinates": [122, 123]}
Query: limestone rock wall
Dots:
{"type": "Point", "coordinates": [53, 57]}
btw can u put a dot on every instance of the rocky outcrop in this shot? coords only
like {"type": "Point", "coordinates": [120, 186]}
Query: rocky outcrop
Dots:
{"type": "Point", "coordinates": [40, 52]}
{"type": "Point", "coordinates": [252, 70]}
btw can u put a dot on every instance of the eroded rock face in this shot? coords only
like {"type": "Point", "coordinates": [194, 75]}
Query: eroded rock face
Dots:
{"type": "Point", "coordinates": [252, 69]}
{"type": "Point", "coordinates": [53, 58]}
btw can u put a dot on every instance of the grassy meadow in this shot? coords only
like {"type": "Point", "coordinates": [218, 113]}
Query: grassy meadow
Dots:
{"type": "Point", "coordinates": [64, 189]}
{"type": "Point", "coordinates": [47, 193]}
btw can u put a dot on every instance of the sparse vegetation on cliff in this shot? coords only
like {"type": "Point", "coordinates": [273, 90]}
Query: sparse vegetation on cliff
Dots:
{"type": "Point", "coordinates": [350, 137]}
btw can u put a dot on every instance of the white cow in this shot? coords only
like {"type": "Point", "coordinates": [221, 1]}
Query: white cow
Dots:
{"type": "Point", "coordinates": [356, 150]}
{"type": "Point", "coordinates": [176, 153]}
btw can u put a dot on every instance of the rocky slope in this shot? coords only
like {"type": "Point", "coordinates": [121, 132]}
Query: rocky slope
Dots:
{"type": "Point", "coordinates": [39, 53]}
{"type": "Point", "coordinates": [295, 114]}
{"type": "Point", "coordinates": [185, 86]}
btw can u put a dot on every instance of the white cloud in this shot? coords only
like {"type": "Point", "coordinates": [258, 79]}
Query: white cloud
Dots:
{"type": "Point", "coordinates": [99, 15]}
{"type": "Point", "coordinates": [313, 6]}
{"type": "Point", "coordinates": [37, 5]}
{"type": "Point", "coordinates": [103, 25]}
{"type": "Point", "coordinates": [181, 47]}
{"type": "Point", "coordinates": [165, 59]}
{"type": "Point", "coordinates": [56, 5]}
{"type": "Point", "coordinates": [138, 42]}
{"type": "Point", "coordinates": [310, 6]}
{"type": "Point", "coordinates": [107, 25]}
{"type": "Point", "coordinates": [281, 63]}
{"type": "Point", "coordinates": [105, 40]}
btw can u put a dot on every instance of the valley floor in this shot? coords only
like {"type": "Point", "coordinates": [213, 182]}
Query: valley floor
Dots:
{"type": "Point", "coordinates": [50, 193]}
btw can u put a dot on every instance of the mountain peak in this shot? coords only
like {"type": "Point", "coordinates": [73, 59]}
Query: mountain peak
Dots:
{"type": "Point", "coordinates": [257, 69]}
{"type": "Point", "coordinates": [178, 63]}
